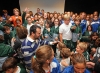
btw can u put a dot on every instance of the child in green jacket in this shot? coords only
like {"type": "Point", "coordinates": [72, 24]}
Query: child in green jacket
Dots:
{"type": "Point", "coordinates": [76, 32]}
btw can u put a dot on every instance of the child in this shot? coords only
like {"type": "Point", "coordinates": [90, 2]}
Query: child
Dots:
{"type": "Point", "coordinates": [65, 54]}
{"type": "Point", "coordinates": [47, 34]}
{"type": "Point", "coordinates": [41, 24]}
{"type": "Point", "coordinates": [29, 20]}
{"type": "Point", "coordinates": [60, 45]}
{"type": "Point", "coordinates": [44, 61]}
{"type": "Point", "coordinates": [8, 35]}
{"type": "Point", "coordinates": [72, 21]}
{"type": "Point", "coordinates": [15, 16]}
{"type": "Point", "coordinates": [82, 49]}
{"type": "Point", "coordinates": [5, 51]}
{"type": "Point", "coordinates": [95, 64]}
{"type": "Point", "coordinates": [55, 32]}
{"type": "Point", "coordinates": [78, 64]}
{"type": "Point", "coordinates": [83, 21]}
{"type": "Point", "coordinates": [95, 23]}
{"type": "Point", "coordinates": [10, 66]}
{"type": "Point", "coordinates": [76, 32]}
{"type": "Point", "coordinates": [87, 34]}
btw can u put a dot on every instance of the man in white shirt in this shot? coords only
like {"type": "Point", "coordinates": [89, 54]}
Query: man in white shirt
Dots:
{"type": "Point", "coordinates": [65, 33]}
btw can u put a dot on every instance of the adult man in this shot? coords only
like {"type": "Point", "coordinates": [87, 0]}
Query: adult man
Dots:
{"type": "Point", "coordinates": [65, 33]}
{"type": "Point", "coordinates": [31, 43]}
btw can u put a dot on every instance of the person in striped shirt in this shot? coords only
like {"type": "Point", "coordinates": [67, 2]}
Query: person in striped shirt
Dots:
{"type": "Point", "coordinates": [31, 43]}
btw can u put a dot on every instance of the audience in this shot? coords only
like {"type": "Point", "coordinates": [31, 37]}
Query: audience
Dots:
{"type": "Point", "coordinates": [72, 38]}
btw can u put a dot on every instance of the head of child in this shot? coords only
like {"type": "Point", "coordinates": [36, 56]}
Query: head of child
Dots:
{"type": "Point", "coordinates": [29, 20]}
{"type": "Point", "coordinates": [89, 28]}
{"type": "Point", "coordinates": [81, 47]}
{"type": "Point", "coordinates": [41, 21]}
{"type": "Point", "coordinates": [77, 21]}
{"type": "Point", "coordinates": [10, 65]}
{"type": "Point", "coordinates": [5, 12]}
{"type": "Point", "coordinates": [88, 17]}
{"type": "Point", "coordinates": [95, 13]}
{"type": "Point", "coordinates": [1, 19]}
{"type": "Point", "coordinates": [73, 16]}
{"type": "Point", "coordinates": [47, 25]}
{"type": "Point", "coordinates": [18, 22]}
{"type": "Point", "coordinates": [35, 17]}
{"type": "Point", "coordinates": [95, 17]}
{"type": "Point", "coordinates": [7, 29]}
{"type": "Point", "coordinates": [42, 59]}
{"type": "Point", "coordinates": [61, 45]}
{"type": "Point", "coordinates": [16, 11]}
{"type": "Point", "coordinates": [94, 36]}
{"type": "Point", "coordinates": [97, 42]}
{"type": "Point", "coordinates": [82, 15]}
{"type": "Point", "coordinates": [51, 15]}
{"type": "Point", "coordinates": [65, 53]}
{"type": "Point", "coordinates": [56, 21]}
{"type": "Point", "coordinates": [79, 63]}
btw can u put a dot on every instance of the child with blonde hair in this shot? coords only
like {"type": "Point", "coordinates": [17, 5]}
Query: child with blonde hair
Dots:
{"type": "Point", "coordinates": [82, 49]}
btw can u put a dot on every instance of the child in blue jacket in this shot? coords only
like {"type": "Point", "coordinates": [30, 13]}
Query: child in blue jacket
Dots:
{"type": "Point", "coordinates": [44, 61]}
{"type": "Point", "coordinates": [79, 64]}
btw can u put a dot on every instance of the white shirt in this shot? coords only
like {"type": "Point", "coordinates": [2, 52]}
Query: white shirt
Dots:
{"type": "Point", "coordinates": [42, 28]}
{"type": "Point", "coordinates": [28, 28]}
{"type": "Point", "coordinates": [67, 60]}
{"type": "Point", "coordinates": [66, 32]}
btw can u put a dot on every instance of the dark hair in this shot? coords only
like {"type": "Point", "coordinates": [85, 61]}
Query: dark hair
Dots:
{"type": "Point", "coordinates": [21, 32]}
{"type": "Point", "coordinates": [6, 28]}
{"type": "Point", "coordinates": [5, 11]}
{"type": "Point", "coordinates": [97, 42]}
{"type": "Point", "coordinates": [31, 13]}
{"type": "Point", "coordinates": [33, 28]}
{"type": "Point", "coordinates": [89, 26]}
{"type": "Point", "coordinates": [93, 34]}
{"type": "Point", "coordinates": [9, 63]}
{"type": "Point", "coordinates": [49, 22]}
{"type": "Point", "coordinates": [1, 38]}
{"type": "Point", "coordinates": [28, 17]}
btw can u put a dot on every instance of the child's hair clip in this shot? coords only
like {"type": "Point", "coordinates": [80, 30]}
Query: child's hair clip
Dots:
{"type": "Point", "coordinates": [34, 56]}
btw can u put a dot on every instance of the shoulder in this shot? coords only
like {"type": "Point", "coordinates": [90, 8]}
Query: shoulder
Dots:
{"type": "Point", "coordinates": [68, 69]}
{"type": "Point", "coordinates": [86, 71]}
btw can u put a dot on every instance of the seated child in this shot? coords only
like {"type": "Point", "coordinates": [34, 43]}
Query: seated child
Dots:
{"type": "Point", "coordinates": [65, 54]}
{"type": "Point", "coordinates": [8, 35]}
{"type": "Point", "coordinates": [60, 45]}
{"type": "Point", "coordinates": [10, 66]}
{"type": "Point", "coordinates": [78, 64]}
{"type": "Point", "coordinates": [82, 49]}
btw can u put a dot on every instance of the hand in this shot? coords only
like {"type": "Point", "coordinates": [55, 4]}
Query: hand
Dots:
{"type": "Point", "coordinates": [55, 42]}
{"type": "Point", "coordinates": [74, 27]}
{"type": "Point", "coordinates": [26, 9]}
{"type": "Point", "coordinates": [90, 64]}
{"type": "Point", "coordinates": [56, 39]}
{"type": "Point", "coordinates": [13, 39]}
{"type": "Point", "coordinates": [46, 37]}
{"type": "Point", "coordinates": [48, 29]}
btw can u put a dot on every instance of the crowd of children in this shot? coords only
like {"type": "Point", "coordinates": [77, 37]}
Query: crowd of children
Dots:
{"type": "Point", "coordinates": [46, 42]}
